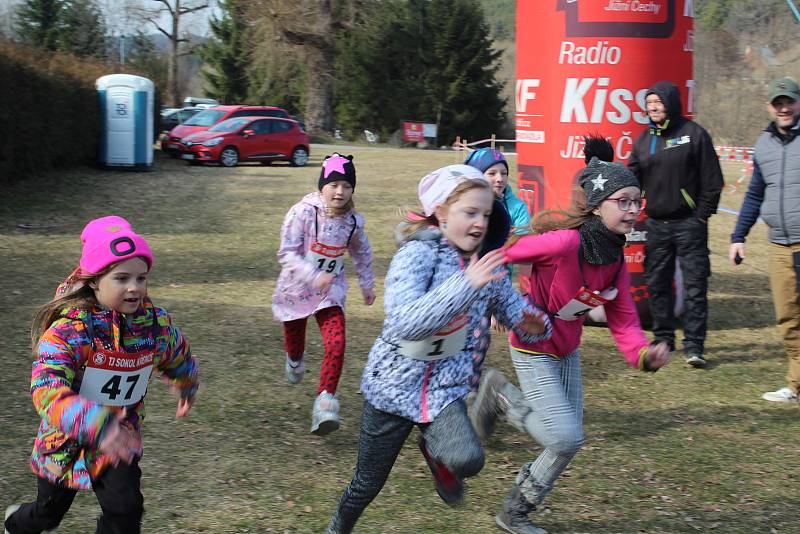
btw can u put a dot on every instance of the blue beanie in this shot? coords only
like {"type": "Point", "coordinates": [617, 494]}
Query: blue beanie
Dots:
{"type": "Point", "coordinates": [483, 158]}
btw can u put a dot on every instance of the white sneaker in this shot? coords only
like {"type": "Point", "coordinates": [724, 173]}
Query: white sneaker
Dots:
{"type": "Point", "coordinates": [782, 395]}
{"type": "Point", "coordinates": [295, 369]}
{"type": "Point", "coordinates": [325, 414]}
{"type": "Point", "coordinates": [9, 512]}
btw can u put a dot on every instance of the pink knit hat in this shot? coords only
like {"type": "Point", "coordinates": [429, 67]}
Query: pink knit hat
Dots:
{"type": "Point", "coordinates": [110, 240]}
{"type": "Point", "coordinates": [438, 185]}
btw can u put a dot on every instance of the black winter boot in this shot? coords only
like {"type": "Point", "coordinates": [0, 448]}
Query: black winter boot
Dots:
{"type": "Point", "coordinates": [513, 517]}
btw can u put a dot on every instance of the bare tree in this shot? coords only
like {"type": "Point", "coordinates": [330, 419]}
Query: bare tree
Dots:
{"type": "Point", "coordinates": [172, 11]}
{"type": "Point", "coordinates": [310, 25]}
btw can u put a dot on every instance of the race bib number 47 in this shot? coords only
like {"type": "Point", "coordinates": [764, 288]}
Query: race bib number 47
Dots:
{"type": "Point", "coordinates": [116, 379]}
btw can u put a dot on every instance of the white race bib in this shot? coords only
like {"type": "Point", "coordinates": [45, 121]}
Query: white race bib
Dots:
{"type": "Point", "coordinates": [447, 342]}
{"type": "Point", "coordinates": [326, 258]}
{"type": "Point", "coordinates": [116, 378]}
{"type": "Point", "coordinates": [585, 301]}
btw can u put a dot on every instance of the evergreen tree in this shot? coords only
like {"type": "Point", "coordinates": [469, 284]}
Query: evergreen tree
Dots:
{"type": "Point", "coordinates": [142, 57]}
{"type": "Point", "coordinates": [83, 30]}
{"type": "Point", "coordinates": [428, 60]}
{"type": "Point", "coordinates": [460, 82]}
{"type": "Point", "coordinates": [227, 54]}
{"type": "Point", "coordinates": [39, 22]}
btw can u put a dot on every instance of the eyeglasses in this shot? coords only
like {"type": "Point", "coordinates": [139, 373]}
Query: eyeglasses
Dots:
{"type": "Point", "coordinates": [625, 203]}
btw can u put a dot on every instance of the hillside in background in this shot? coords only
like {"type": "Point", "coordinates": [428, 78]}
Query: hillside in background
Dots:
{"type": "Point", "coordinates": [740, 45]}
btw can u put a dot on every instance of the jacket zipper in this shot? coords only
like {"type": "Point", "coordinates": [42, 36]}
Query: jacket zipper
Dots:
{"type": "Point", "coordinates": [782, 200]}
{"type": "Point", "coordinates": [424, 401]}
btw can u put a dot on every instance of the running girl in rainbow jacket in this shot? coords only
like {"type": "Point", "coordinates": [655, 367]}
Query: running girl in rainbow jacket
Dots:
{"type": "Point", "coordinates": [96, 344]}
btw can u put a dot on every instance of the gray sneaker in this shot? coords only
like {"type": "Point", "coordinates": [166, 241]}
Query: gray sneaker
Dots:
{"type": "Point", "coordinates": [513, 516]}
{"type": "Point", "coordinates": [325, 414]}
{"type": "Point", "coordinates": [489, 403]}
{"type": "Point", "coordinates": [295, 369]}
{"type": "Point", "coordinates": [695, 358]}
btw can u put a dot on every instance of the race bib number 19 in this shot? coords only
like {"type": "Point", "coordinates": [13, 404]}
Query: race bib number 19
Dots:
{"type": "Point", "coordinates": [326, 258]}
{"type": "Point", "coordinates": [116, 379]}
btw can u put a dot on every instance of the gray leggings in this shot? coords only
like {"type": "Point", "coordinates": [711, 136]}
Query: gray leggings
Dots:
{"type": "Point", "coordinates": [449, 438]}
{"type": "Point", "coordinates": [550, 409]}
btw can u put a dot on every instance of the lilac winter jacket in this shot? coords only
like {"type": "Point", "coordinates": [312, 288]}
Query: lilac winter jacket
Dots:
{"type": "Point", "coordinates": [425, 290]}
{"type": "Point", "coordinates": [304, 224]}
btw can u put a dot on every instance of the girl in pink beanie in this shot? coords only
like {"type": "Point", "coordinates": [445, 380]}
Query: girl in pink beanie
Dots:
{"type": "Point", "coordinates": [95, 346]}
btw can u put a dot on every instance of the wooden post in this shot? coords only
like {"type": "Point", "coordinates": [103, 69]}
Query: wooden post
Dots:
{"type": "Point", "coordinates": [493, 138]}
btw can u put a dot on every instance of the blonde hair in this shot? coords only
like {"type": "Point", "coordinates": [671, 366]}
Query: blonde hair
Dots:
{"type": "Point", "coordinates": [77, 294]}
{"type": "Point", "coordinates": [416, 220]}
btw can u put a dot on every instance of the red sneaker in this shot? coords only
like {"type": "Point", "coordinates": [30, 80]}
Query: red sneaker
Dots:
{"type": "Point", "coordinates": [448, 485]}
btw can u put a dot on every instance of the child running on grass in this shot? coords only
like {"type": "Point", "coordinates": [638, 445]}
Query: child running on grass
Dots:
{"type": "Point", "coordinates": [96, 345]}
{"type": "Point", "coordinates": [578, 264]}
{"type": "Point", "coordinates": [419, 369]}
{"type": "Point", "coordinates": [316, 233]}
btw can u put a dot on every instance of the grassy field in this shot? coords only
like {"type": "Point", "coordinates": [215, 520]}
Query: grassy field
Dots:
{"type": "Point", "coordinates": [683, 450]}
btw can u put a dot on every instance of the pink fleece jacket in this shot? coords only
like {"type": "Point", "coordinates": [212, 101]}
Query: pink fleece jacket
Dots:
{"type": "Point", "coordinates": [556, 278]}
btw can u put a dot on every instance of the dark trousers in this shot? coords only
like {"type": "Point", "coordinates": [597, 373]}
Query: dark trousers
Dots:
{"type": "Point", "coordinates": [686, 239]}
{"type": "Point", "coordinates": [117, 490]}
{"type": "Point", "coordinates": [449, 438]}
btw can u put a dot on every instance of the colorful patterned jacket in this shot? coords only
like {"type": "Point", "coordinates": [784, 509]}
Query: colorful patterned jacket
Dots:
{"type": "Point", "coordinates": [66, 448]}
{"type": "Point", "coordinates": [304, 223]}
{"type": "Point", "coordinates": [425, 290]}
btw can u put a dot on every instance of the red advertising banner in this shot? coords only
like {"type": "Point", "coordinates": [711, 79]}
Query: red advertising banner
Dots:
{"type": "Point", "coordinates": [584, 66]}
{"type": "Point", "coordinates": [413, 131]}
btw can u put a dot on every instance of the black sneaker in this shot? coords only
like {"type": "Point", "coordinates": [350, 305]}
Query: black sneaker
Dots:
{"type": "Point", "coordinates": [449, 486]}
{"type": "Point", "coordinates": [695, 358]}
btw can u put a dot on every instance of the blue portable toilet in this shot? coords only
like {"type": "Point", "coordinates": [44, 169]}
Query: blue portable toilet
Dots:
{"type": "Point", "coordinates": [126, 106]}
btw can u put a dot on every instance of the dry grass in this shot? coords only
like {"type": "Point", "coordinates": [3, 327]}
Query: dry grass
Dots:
{"type": "Point", "coordinates": [679, 451]}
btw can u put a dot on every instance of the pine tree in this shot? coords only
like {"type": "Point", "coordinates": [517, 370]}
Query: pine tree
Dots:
{"type": "Point", "coordinates": [83, 30]}
{"type": "Point", "coordinates": [460, 81]}
{"type": "Point", "coordinates": [39, 22]}
{"type": "Point", "coordinates": [227, 54]}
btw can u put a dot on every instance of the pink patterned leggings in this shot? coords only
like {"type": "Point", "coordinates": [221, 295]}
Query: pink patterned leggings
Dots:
{"type": "Point", "coordinates": [331, 326]}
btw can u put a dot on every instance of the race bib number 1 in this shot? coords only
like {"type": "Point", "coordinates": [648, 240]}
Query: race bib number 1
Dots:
{"type": "Point", "coordinates": [116, 379]}
{"type": "Point", "coordinates": [447, 342]}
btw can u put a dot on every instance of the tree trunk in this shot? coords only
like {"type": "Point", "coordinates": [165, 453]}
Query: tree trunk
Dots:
{"type": "Point", "coordinates": [319, 103]}
{"type": "Point", "coordinates": [172, 68]}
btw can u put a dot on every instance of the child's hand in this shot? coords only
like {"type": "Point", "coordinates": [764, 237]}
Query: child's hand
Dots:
{"type": "Point", "coordinates": [184, 406]}
{"type": "Point", "coordinates": [120, 443]}
{"type": "Point", "coordinates": [322, 282]}
{"type": "Point", "coordinates": [657, 356]}
{"type": "Point", "coordinates": [498, 327]}
{"type": "Point", "coordinates": [531, 323]}
{"type": "Point", "coordinates": [482, 271]}
{"type": "Point", "coordinates": [369, 296]}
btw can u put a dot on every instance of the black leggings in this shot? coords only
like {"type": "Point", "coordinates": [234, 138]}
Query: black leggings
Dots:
{"type": "Point", "coordinates": [449, 438]}
{"type": "Point", "coordinates": [117, 490]}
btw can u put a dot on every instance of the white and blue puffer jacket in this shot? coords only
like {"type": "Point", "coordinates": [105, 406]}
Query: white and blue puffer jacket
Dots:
{"type": "Point", "coordinates": [425, 290]}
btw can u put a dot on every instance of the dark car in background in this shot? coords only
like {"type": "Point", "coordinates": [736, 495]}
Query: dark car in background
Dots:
{"type": "Point", "coordinates": [241, 139]}
{"type": "Point", "coordinates": [212, 116]}
{"type": "Point", "coordinates": [173, 117]}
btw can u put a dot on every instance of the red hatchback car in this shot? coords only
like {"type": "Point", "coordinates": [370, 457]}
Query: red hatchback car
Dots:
{"type": "Point", "coordinates": [248, 139]}
{"type": "Point", "coordinates": [214, 115]}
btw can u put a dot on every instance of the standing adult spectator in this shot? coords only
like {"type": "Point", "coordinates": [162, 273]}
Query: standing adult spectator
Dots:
{"type": "Point", "coordinates": [774, 193]}
{"type": "Point", "coordinates": [675, 162]}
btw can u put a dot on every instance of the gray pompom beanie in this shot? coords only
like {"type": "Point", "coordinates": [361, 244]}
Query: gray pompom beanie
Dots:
{"type": "Point", "coordinates": [601, 179]}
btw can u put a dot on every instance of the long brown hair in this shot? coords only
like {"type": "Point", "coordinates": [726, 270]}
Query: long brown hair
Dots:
{"type": "Point", "coordinates": [78, 294]}
{"type": "Point", "coordinates": [572, 217]}
{"type": "Point", "coordinates": [416, 221]}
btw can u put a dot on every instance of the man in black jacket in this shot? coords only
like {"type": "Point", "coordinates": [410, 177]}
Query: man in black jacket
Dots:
{"type": "Point", "coordinates": [675, 162]}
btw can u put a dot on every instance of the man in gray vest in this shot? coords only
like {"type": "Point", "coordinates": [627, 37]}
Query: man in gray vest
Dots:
{"type": "Point", "coordinates": [774, 193]}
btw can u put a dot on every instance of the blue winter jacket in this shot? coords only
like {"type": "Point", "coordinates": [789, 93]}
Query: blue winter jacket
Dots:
{"type": "Point", "coordinates": [518, 210]}
{"type": "Point", "coordinates": [425, 290]}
